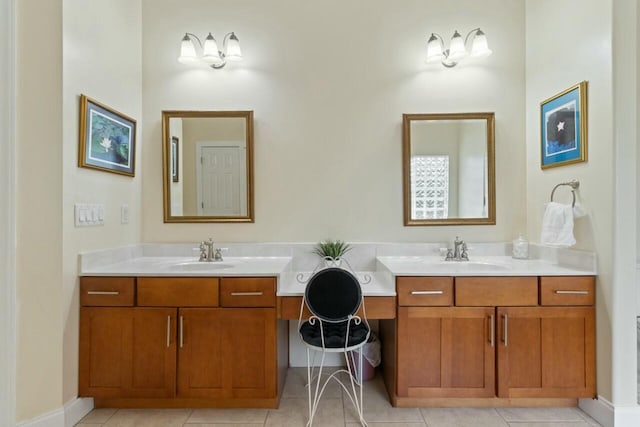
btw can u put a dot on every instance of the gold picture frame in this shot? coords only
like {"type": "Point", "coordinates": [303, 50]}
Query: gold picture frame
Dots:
{"type": "Point", "coordinates": [107, 138]}
{"type": "Point", "coordinates": [563, 127]}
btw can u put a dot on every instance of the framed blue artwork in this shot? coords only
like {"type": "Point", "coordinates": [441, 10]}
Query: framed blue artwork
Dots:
{"type": "Point", "coordinates": [107, 138]}
{"type": "Point", "coordinates": [563, 132]}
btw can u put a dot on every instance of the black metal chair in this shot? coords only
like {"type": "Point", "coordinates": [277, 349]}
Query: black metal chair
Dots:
{"type": "Point", "coordinates": [333, 296]}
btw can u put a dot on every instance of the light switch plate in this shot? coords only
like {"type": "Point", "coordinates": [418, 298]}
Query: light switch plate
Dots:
{"type": "Point", "coordinates": [124, 214]}
{"type": "Point", "coordinates": [89, 215]}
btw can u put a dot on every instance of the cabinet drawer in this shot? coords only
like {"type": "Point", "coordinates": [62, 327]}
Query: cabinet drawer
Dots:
{"type": "Point", "coordinates": [107, 291]}
{"type": "Point", "coordinates": [425, 291]}
{"type": "Point", "coordinates": [248, 292]}
{"type": "Point", "coordinates": [178, 291]}
{"type": "Point", "coordinates": [494, 291]}
{"type": "Point", "coordinates": [567, 290]}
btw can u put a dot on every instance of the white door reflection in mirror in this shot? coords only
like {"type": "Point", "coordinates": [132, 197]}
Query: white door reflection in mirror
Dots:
{"type": "Point", "coordinates": [214, 162]}
{"type": "Point", "coordinates": [220, 176]}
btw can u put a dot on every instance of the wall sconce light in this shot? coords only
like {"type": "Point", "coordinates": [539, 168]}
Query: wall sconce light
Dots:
{"type": "Point", "coordinates": [211, 55]}
{"type": "Point", "coordinates": [436, 51]}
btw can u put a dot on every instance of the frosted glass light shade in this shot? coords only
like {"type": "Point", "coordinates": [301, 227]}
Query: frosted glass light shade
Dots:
{"type": "Point", "coordinates": [210, 53]}
{"type": "Point", "coordinates": [233, 52]}
{"type": "Point", "coordinates": [187, 51]}
{"type": "Point", "coordinates": [456, 48]}
{"type": "Point", "coordinates": [479, 47]}
{"type": "Point", "coordinates": [434, 49]}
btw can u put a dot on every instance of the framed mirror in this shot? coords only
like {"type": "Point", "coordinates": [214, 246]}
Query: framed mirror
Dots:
{"type": "Point", "coordinates": [207, 166]}
{"type": "Point", "coordinates": [448, 169]}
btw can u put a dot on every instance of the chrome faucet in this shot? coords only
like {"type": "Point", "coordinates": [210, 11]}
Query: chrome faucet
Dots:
{"type": "Point", "coordinates": [459, 252]}
{"type": "Point", "coordinates": [206, 250]}
{"type": "Point", "coordinates": [208, 253]}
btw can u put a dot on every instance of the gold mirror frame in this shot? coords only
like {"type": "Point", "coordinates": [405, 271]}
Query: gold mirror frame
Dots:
{"type": "Point", "coordinates": [167, 176]}
{"type": "Point", "coordinates": [407, 119]}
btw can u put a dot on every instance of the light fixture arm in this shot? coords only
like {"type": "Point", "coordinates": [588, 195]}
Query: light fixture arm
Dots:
{"type": "Point", "coordinates": [466, 39]}
{"type": "Point", "coordinates": [222, 52]}
{"type": "Point", "coordinates": [445, 61]}
{"type": "Point", "coordinates": [195, 37]}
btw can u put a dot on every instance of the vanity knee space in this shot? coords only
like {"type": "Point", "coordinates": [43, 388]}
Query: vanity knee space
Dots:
{"type": "Point", "coordinates": [475, 340]}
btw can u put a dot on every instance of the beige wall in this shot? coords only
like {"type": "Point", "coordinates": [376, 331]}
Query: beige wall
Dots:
{"type": "Point", "coordinates": [7, 213]}
{"type": "Point", "coordinates": [102, 59]}
{"type": "Point", "coordinates": [95, 64]}
{"type": "Point", "coordinates": [560, 53]}
{"type": "Point", "coordinates": [328, 82]}
{"type": "Point", "coordinates": [39, 207]}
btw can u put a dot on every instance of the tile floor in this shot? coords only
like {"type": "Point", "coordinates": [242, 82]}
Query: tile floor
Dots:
{"type": "Point", "coordinates": [336, 411]}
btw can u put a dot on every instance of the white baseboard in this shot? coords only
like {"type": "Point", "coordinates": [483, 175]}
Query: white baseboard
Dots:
{"type": "Point", "coordinates": [54, 418]}
{"type": "Point", "coordinates": [627, 416]}
{"type": "Point", "coordinates": [608, 415]}
{"type": "Point", "coordinates": [599, 409]}
{"type": "Point", "coordinates": [67, 416]}
{"type": "Point", "coordinates": [77, 409]}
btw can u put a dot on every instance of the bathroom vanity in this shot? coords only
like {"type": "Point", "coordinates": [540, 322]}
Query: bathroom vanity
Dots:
{"type": "Point", "coordinates": [478, 340]}
{"type": "Point", "coordinates": [181, 341]}
{"type": "Point", "coordinates": [168, 331]}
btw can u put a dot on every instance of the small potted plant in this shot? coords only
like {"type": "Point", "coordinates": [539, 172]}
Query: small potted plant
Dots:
{"type": "Point", "coordinates": [332, 251]}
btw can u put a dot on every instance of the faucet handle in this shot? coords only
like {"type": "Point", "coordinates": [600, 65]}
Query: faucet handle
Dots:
{"type": "Point", "coordinates": [464, 256]}
{"type": "Point", "coordinates": [449, 256]}
{"type": "Point", "coordinates": [203, 251]}
{"type": "Point", "coordinates": [217, 253]}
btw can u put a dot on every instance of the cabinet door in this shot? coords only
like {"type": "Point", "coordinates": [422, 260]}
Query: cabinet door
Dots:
{"type": "Point", "coordinates": [127, 352]}
{"type": "Point", "coordinates": [250, 335]}
{"type": "Point", "coordinates": [227, 353]}
{"type": "Point", "coordinates": [546, 352]}
{"type": "Point", "coordinates": [446, 352]}
{"type": "Point", "coordinates": [201, 353]}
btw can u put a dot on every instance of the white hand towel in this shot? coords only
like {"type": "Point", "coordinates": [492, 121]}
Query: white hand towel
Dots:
{"type": "Point", "coordinates": [557, 225]}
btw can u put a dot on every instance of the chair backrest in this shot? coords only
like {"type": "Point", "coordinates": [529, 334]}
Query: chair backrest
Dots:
{"type": "Point", "coordinates": [333, 294]}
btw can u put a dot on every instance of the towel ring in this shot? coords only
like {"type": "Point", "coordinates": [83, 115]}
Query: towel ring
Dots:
{"type": "Point", "coordinates": [574, 184]}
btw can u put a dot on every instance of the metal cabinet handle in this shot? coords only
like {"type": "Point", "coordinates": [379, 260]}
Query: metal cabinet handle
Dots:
{"type": "Point", "coordinates": [181, 331]}
{"type": "Point", "coordinates": [492, 330]}
{"type": "Point", "coordinates": [246, 294]}
{"type": "Point", "coordinates": [427, 292]}
{"type": "Point", "coordinates": [168, 331]}
{"type": "Point", "coordinates": [103, 293]}
{"type": "Point", "coordinates": [572, 292]}
{"type": "Point", "coordinates": [505, 332]}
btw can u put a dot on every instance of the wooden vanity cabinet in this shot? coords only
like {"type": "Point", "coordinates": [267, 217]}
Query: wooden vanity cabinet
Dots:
{"type": "Point", "coordinates": [175, 341]}
{"type": "Point", "coordinates": [230, 352]}
{"type": "Point", "coordinates": [549, 351]}
{"type": "Point", "coordinates": [124, 351]}
{"type": "Point", "coordinates": [484, 337]}
{"type": "Point", "coordinates": [445, 351]}
{"type": "Point", "coordinates": [442, 350]}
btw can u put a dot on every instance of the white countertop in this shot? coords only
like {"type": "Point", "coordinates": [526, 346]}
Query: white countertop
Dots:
{"type": "Point", "coordinates": [376, 266]}
{"type": "Point", "coordinates": [189, 266]}
{"type": "Point", "coordinates": [373, 283]}
{"type": "Point", "coordinates": [476, 266]}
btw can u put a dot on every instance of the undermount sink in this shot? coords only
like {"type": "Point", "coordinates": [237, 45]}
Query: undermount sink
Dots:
{"type": "Point", "coordinates": [200, 266]}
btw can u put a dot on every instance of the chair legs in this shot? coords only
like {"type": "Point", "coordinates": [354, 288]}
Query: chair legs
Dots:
{"type": "Point", "coordinates": [353, 388]}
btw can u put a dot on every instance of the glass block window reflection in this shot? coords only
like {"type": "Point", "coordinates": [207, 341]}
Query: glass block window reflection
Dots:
{"type": "Point", "coordinates": [429, 187]}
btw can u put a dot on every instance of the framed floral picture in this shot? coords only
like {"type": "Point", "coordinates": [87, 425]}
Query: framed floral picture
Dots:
{"type": "Point", "coordinates": [107, 138]}
{"type": "Point", "coordinates": [563, 121]}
